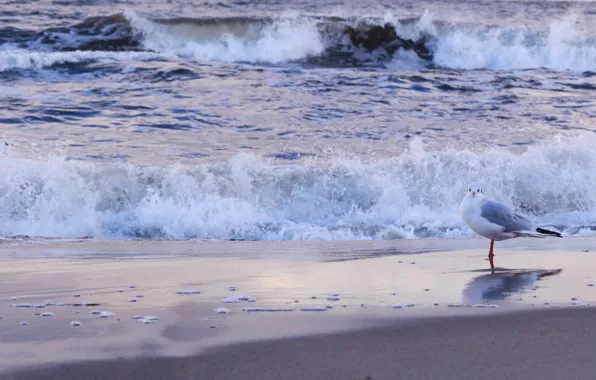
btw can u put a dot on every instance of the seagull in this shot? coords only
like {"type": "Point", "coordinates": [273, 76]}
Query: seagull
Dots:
{"type": "Point", "coordinates": [496, 221]}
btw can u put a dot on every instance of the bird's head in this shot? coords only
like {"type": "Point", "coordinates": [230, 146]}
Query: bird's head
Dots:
{"type": "Point", "coordinates": [474, 190]}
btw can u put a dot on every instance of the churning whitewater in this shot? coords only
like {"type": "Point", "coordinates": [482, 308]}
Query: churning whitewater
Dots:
{"type": "Point", "coordinates": [413, 195]}
{"type": "Point", "coordinates": [425, 41]}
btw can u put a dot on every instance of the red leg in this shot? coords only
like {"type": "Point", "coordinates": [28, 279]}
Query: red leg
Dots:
{"type": "Point", "coordinates": [491, 255]}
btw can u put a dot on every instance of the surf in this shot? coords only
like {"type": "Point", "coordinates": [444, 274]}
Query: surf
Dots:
{"type": "Point", "coordinates": [413, 195]}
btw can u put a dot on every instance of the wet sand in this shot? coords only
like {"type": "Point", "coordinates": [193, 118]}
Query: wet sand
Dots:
{"type": "Point", "coordinates": [350, 308]}
{"type": "Point", "coordinates": [547, 344]}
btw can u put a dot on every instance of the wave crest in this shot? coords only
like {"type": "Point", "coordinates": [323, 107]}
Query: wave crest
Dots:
{"type": "Point", "coordinates": [414, 195]}
{"type": "Point", "coordinates": [234, 40]}
{"type": "Point", "coordinates": [326, 41]}
{"type": "Point", "coordinates": [561, 47]}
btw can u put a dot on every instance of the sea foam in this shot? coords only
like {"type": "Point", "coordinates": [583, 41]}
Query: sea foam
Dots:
{"type": "Point", "coordinates": [412, 195]}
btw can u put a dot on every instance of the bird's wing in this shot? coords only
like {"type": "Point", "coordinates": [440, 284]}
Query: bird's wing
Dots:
{"type": "Point", "coordinates": [501, 215]}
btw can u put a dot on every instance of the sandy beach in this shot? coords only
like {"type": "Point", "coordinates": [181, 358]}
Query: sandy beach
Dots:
{"type": "Point", "coordinates": [328, 310]}
{"type": "Point", "coordinates": [550, 344]}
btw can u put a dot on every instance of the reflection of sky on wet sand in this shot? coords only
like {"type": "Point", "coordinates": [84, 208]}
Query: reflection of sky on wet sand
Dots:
{"type": "Point", "coordinates": [500, 285]}
{"type": "Point", "coordinates": [274, 274]}
{"type": "Point", "coordinates": [277, 274]}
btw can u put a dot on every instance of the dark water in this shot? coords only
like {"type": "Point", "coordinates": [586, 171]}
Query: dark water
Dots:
{"type": "Point", "coordinates": [293, 120]}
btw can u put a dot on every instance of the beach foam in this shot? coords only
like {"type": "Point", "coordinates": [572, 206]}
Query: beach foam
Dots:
{"type": "Point", "coordinates": [413, 195]}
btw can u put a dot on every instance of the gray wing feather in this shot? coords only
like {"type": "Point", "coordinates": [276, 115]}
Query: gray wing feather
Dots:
{"type": "Point", "coordinates": [499, 214]}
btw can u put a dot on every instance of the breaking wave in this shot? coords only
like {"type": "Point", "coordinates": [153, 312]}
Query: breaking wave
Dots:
{"type": "Point", "coordinates": [24, 59]}
{"type": "Point", "coordinates": [324, 41]}
{"type": "Point", "coordinates": [413, 195]}
{"type": "Point", "coordinates": [561, 47]}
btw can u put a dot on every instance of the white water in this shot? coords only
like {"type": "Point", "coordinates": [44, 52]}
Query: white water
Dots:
{"type": "Point", "coordinates": [562, 47]}
{"type": "Point", "coordinates": [416, 194]}
{"type": "Point", "coordinates": [287, 39]}
{"type": "Point", "coordinates": [24, 59]}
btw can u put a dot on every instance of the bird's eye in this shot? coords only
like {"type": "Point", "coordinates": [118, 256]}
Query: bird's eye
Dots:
{"type": "Point", "coordinates": [479, 191]}
{"type": "Point", "coordinates": [469, 189]}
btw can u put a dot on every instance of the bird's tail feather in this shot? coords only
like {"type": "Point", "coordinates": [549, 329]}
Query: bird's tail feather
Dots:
{"type": "Point", "coordinates": [548, 232]}
{"type": "Point", "coordinates": [540, 233]}
{"type": "Point", "coordinates": [529, 234]}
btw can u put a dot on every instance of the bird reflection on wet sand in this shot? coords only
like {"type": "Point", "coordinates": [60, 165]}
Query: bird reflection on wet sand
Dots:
{"type": "Point", "coordinates": [502, 283]}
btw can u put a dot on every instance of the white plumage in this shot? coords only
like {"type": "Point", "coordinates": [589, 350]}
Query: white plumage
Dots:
{"type": "Point", "coordinates": [496, 221]}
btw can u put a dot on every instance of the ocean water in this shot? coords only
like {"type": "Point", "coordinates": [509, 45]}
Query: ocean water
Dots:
{"type": "Point", "coordinates": [293, 120]}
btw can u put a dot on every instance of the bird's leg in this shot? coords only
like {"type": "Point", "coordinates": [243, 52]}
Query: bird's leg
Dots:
{"type": "Point", "coordinates": [491, 255]}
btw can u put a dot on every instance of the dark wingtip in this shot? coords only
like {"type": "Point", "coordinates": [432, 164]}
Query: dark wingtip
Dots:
{"type": "Point", "coordinates": [548, 232]}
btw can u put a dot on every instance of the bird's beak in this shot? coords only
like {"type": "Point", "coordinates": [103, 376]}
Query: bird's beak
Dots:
{"type": "Point", "coordinates": [473, 193]}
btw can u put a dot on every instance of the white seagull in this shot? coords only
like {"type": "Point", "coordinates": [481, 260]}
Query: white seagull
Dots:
{"type": "Point", "coordinates": [495, 221]}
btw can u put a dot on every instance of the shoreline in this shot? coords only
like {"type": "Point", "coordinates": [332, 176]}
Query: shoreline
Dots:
{"type": "Point", "coordinates": [313, 249]}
